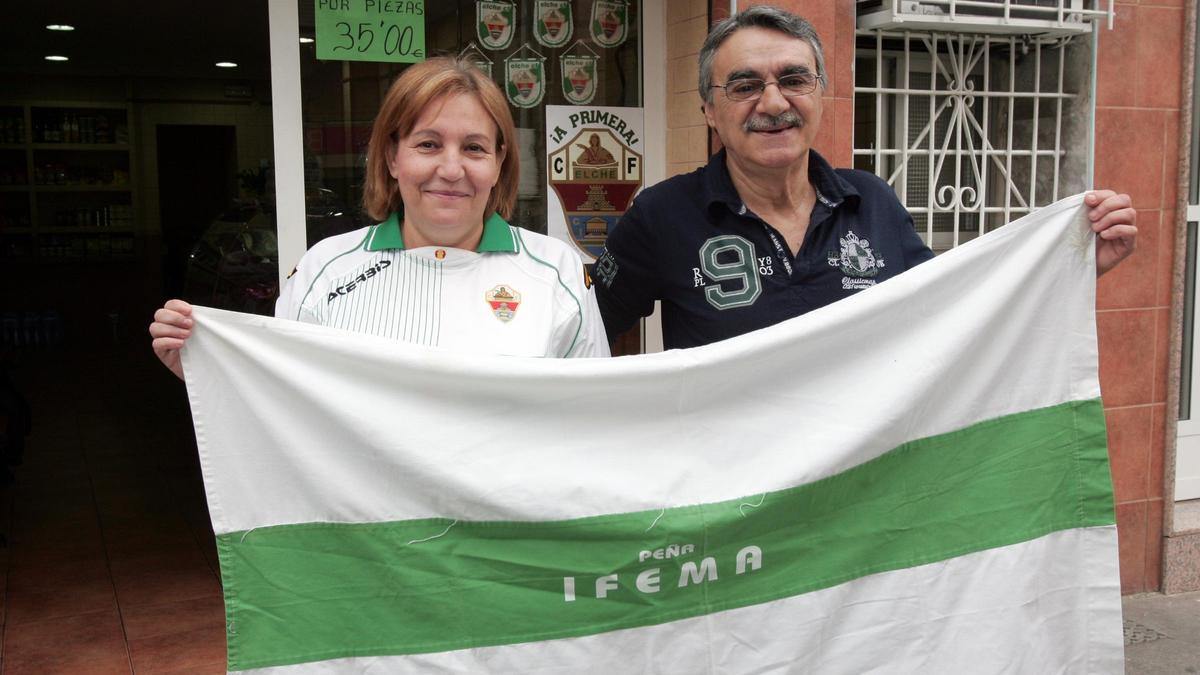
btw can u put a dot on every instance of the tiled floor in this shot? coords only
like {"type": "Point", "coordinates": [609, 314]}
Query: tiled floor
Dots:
{"type": "Point", "coordinates": [110, 562]}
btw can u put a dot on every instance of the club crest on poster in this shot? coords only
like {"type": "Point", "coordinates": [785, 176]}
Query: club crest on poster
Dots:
{"type": "Point", "coordinates": [594, 169]}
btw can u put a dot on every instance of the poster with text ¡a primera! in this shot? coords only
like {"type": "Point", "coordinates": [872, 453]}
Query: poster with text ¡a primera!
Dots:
{"type": "Point", "coordinates": [391, 31]}
{"type": "Point", "coordinates": [594, 167]}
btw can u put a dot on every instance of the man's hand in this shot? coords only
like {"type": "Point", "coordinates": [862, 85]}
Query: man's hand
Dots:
{"type": "Point", "coordinates": [1113, 219]}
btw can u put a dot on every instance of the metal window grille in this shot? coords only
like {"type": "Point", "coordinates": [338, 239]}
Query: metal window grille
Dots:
{"type": "Point", "coordinates": [972, 130]}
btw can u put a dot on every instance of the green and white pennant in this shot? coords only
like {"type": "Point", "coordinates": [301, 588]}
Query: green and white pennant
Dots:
{"type": "Point", "coordinates": [495, 23]}
{"type": "Point", "coordinates": [525, 77]}
{"type": "Point", "coordinates": [610, 22]}
{"type": "Point", "coordinates": [476, 57]}
{"type": "Point", "coordinates": [578, 69]}
{"type": "Point", "coordinates": [554, 22]}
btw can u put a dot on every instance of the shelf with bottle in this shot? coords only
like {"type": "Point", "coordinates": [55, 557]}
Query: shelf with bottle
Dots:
{"type": "Point", "coordinates": [14, 217]}
{"type": "Point", "coordinates": [79, 126]}
{"type": "Point", "coordinates": [13, 173]}
{"type": "Point", "coordinates": [91, 170]}
{"type": "Point", "coordinates": [79, 188]}
{"type": "Point", "coordinates": [67, 247]}
{"type": "Point", "coordinates": [86, 217]}
{"type": "Point", "coordinates": [66, 185]}
{"type": "Point", "coordinates": [100, 246]}
{"type": "Point", "coordinates": [17, 246]}
{"type": "Point", "coordinates": [12, 126]}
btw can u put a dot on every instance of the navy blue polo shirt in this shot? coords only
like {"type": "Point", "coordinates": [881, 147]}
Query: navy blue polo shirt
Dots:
{"type": "Point", "coordinates": [722, 271]}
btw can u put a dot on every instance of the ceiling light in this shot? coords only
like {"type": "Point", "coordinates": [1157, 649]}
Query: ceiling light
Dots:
{"type": "Point", "coordinates": [306, 40]}
{"type": "Point", "coordinates": [226, 64]}
{"type": "Point", "coordinates": [60, 26]}
{"type": "Point", "coordinates": [56, 58]}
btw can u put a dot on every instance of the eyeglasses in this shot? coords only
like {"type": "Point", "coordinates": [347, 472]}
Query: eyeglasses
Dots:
{"type": "Point", "coordinates": [751, 89]}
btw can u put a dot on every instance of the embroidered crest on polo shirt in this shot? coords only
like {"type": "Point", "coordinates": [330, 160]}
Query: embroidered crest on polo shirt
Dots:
{"type": "Point", "coordinates": [857, 261]}
{"type": "Point", "coordinates": [504, 301]}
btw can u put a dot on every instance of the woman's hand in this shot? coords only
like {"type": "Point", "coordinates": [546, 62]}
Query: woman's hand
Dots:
{"type": "Point", "coordinates": [171, 328]}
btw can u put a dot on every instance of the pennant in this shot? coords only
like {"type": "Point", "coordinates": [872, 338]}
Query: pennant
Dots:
{"type": "Point", "coordinates": [609, 22]}
{"type": "Point", "coordinates": [525, 77]}
{"type": "Point", "coordinates": [578, 72]}
{"type": "Point", "coordinates": [476, 57]}
{"type": "Point", "coordinates": [555, 22]}
{"type": "Point", "coordinates": [495, 23]}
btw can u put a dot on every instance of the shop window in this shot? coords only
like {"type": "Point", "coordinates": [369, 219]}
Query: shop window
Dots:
{"type": "Point", "coordinates": [340, 98]}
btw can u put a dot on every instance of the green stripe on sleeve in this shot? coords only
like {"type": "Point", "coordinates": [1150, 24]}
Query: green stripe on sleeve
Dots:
{"type": "Point", "coordinates": [317, 591]}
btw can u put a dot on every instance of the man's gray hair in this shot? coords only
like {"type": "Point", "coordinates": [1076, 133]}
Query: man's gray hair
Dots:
{"type": "Point", "coordinates": [762, 16]}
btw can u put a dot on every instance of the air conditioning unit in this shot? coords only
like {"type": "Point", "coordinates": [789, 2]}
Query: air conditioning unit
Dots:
{"type": "Point", "coordinates": [1051, 18]}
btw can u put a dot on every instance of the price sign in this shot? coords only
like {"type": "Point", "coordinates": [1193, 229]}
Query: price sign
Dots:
{"type": "Point", "coordinates": [371, 30]}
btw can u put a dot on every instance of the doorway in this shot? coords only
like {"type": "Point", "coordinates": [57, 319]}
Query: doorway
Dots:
{"type": "Point", "coordinates": [197, 182]}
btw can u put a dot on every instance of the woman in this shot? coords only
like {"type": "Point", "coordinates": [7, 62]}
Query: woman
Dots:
{"type": "Point", "coordinates": [442, 267]}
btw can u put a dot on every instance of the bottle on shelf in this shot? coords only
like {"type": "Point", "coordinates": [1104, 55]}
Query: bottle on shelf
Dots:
{"type": "Point", "coordinates": [101, 131]}
{"type": "Point", "coordinates": [12, 130]}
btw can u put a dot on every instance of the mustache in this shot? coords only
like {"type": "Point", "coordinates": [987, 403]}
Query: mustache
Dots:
{"type": "Point", "coordinates": [784, 120]}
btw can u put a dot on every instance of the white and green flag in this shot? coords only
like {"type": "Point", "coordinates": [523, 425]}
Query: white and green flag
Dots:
{"type": "Point", "coordinates": [913, 480]}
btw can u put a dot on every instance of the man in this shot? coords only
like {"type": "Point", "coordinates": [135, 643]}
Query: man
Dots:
{"type": "Point", "coordinates": [768, 230]}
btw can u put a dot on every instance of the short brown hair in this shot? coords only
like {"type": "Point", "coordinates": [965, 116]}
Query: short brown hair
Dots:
{"type": "Point", "coordinates": [759, 16]}
{"type": "Point", "coordinates": [417, 87]}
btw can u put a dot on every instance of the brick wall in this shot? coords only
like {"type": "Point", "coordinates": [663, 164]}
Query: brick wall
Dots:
{"type": "Point", "coordinates": [687, 133]}
{"type": "Point", "coordinates": [1137, 128]}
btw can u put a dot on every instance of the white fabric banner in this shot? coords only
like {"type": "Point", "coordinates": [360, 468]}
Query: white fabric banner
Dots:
{"type": "Point", "coordinates": [300, 425]}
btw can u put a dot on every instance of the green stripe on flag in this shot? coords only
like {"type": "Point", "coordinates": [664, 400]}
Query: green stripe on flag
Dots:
{"type": "Point", "coordinates": [299, 593]}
